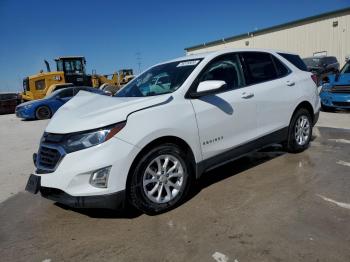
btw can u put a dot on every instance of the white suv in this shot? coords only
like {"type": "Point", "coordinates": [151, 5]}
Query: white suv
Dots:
{"type": "Point", "coordinates": [175, 121]}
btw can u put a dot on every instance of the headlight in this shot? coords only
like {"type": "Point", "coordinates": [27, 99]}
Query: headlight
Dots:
{"type": "Point", "coordinates": [326, 87]}
{"type": "Point", "coordinates": [82, 140]}
{"type": "Point", "coordinates": [28, 106]}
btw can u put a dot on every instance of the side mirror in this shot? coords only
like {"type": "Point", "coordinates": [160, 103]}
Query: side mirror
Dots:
{"type": "Point", "coordinates": [208, 87]}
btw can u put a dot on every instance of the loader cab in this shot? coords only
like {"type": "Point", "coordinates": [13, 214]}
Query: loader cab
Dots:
{"type": "Point", "coordinates": [74, 69]}
{"type": "Point", "coordinates": [125, 75]}
{"type": "Point", "coordinates": [71, 65]}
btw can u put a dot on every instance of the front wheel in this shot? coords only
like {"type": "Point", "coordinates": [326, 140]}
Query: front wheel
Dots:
{"type": "Point", "coordinates": [160, 180]}
{"type": "Point", "coordinates": [43, 112]}
{"type": "Point", "coordinates": [299, 131]}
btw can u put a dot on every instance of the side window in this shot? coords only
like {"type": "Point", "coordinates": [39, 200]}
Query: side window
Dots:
{"type": "Point", "coordinates": [325, 61]}
{"type": "Point", "coordinates": [59, 66]}
{"type": "Point", "coordinates": [259, 66]}
{"type": "Point", "coordinates": [66, 93]}
{"type": "Point", "coordinates": [228, 69]}
{"type": "Point", "coordinates": [40, 84]}
{"type": "Point", "coordinates": [281, 69]}
{"type": "Point", "coordinates": [295, 60]}
{"type": "Point", "coordinates": [332, 60]}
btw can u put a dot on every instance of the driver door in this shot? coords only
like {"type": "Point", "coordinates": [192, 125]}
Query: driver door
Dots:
{"type": "Point", "coordinates": [226, 119]}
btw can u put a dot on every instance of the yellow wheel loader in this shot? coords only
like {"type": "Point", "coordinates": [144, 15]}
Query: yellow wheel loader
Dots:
{"type": "Point", "coordinates": [71, 70]}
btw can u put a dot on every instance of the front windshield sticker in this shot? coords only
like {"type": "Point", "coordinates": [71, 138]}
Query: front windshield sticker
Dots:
{"type": "Point", "coordinates": [188, 63]}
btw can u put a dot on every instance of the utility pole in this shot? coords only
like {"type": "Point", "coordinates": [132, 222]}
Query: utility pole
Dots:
{"type": "Point", "coordinates": [138, 59]}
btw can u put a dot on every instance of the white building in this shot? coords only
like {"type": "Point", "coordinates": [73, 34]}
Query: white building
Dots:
{"type": "Point", "coordinates": [324, 34]}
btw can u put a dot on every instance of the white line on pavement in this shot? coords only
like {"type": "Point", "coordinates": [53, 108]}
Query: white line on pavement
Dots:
{"type": "Point", "coordinates": [339, 204]}
{"type": "Point", "coordinates": [341, 162]}
{"type": "Point", "coordinates": [340, 140]}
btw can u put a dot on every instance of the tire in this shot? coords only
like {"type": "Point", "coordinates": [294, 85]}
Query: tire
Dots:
{"type": "Point", "coordinates": [327, 108]}
{"type": "Point", "coordinates": [43, 112]}
{"type": "Point", "coordinates": [299, 131]}
{"type": "Point", "coordinates": [147, 180]}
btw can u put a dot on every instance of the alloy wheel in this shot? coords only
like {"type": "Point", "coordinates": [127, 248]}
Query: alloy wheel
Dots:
{"type": "Point", "coordinates": [163, 179]}
{"type": "Point", "coordinates": [302, 130]}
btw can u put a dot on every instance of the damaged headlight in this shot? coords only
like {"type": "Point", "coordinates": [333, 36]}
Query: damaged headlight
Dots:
{"type": "Point", "coordinates": [82, 140]}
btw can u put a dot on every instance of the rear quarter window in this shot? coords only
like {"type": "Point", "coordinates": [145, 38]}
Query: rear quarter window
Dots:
{"type": "Point", "coordinates": [295, 60]}
{"type": "Point", "coordinates": [282, 70]}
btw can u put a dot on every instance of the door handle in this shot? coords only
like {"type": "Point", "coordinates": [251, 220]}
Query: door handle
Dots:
{"type": "Point", "coordinates": [247, 95]}
{"type": "Point", "coordinates": [290, 83]}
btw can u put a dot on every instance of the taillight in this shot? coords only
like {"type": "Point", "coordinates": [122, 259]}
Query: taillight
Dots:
{"type": "Point", "coordinates": [314, 78]}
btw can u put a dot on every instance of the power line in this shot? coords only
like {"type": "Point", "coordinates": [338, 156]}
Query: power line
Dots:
{"type": "Point", "coordinates": [138, 59]}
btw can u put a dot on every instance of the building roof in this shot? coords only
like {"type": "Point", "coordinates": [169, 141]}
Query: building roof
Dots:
{"type": "Point", "coordinates": [67, 57]}
{"type": "Point", "coordinates": [272, 28]}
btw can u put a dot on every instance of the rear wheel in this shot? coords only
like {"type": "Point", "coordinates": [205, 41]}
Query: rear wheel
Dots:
{"type": "Point", "coordinates": [42, 112]}
{"type": "Point", "coordinates": [299, 132]}
{"type": "Point", "coordinates": [160, 180]}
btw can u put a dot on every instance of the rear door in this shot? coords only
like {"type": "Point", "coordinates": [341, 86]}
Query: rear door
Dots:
{"type": "Point", "coordinates": [273, 87]}
{"type": "Point", "coordinates": [225, 119]}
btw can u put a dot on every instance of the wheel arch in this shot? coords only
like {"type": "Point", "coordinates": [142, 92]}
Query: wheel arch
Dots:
{"type": "Point", "coordinates": [159, 141]}
{"type": "Point", "coordinates": [307, 105]}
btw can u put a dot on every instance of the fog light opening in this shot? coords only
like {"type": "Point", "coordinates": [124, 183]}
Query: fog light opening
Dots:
{"type": "Point", "coordinates": [99, 178]}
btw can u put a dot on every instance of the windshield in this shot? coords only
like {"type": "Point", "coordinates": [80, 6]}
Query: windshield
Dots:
{"type": "Point", "coordinates": [54, 93]}
{"type": "Point", "coordinates": [346, 69]}
{"type": "Point", "coordinates": [158, 80]}
{"type": "Point", "coordinates": [73, 67]}
{"type": "Point", "coordinates": [312, 62]}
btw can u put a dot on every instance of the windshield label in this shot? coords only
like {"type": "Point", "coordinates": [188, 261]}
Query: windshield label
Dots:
{"type": "Point", "coordinates": [188, 63]}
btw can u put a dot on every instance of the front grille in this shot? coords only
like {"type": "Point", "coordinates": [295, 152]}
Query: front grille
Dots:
{"type": "Point", "coordinates": [48, 159]}
{"type": "Point", "coordinates": [341, 89]}
{"type": "Point", "coordinates": [52, 138]}
{"type": "Point", "coordinates": [341, 103]}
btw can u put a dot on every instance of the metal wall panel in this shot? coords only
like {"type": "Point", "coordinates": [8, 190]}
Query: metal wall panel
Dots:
{"type": "Point", "coordinates": [305, 39]}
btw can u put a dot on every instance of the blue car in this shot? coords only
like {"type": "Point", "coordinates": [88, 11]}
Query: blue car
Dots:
{"type": "Point", "coordinates": [335, 93]}
{"type": "Point", "coordinates": [46, 107]}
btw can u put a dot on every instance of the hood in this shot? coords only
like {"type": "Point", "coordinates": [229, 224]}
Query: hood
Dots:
{"type": "Point", "coordinates": [32, 102]}
{"type": "Point", "coordinates": [89, 111]}
{"type": "Point", "coordinates": [343, 79]}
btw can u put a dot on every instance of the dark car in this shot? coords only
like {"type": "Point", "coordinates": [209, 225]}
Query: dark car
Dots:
{"type": "Point", "coordinates": [8, 102]}
{"type": "Point", "coordinates": [322, 66]}
{"type": "Point", "coordinates": [46, 107]}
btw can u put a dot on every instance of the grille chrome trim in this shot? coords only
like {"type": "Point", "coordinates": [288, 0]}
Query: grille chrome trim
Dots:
{"type": "Point", "coordinates": [336, 103]}
{"type": "Point", "coordinates": [341, 89]}
{"type": "Point", "coordinates": [47, 161]}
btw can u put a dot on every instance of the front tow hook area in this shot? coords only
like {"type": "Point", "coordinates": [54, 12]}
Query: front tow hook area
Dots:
{"type": "Point", "coordinates": [33, 184]}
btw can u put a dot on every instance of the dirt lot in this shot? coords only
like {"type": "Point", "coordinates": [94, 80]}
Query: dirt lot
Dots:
{"type": "Point", "coordinates": [271, 206]}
